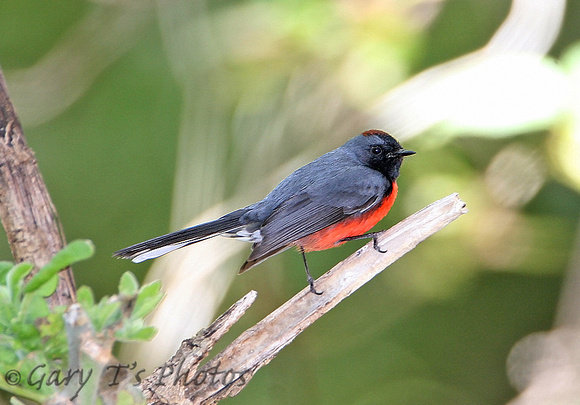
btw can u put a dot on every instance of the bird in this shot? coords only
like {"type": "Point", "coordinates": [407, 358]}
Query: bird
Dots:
{"type": "Point", "coordinates": [336, 198]}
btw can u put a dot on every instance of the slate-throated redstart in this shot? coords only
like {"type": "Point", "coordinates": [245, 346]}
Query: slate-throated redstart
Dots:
{"type": "Point", "coordinates": [335, 198]}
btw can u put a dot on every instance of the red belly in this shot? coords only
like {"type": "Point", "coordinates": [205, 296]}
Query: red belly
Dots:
{"type": "Point", "coordinates": [352, 226]}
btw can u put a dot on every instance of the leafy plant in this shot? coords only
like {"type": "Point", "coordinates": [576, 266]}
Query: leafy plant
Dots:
{"type": "Point", "coordinates": [44, 352]}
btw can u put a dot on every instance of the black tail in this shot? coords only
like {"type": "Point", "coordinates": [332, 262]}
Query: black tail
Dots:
{"type": "Point", "coordinates": [153, 248]}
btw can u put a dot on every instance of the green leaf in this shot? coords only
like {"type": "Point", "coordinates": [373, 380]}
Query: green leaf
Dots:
{"type": "Point", "coordinates": [7, 312]}
{"type": "Point", "coordinates": [53, 334]}
{"type": "Point", "coordinates": [14, 279]}
{"type": "Point", "coordinates": [85, 297]}
{"type": "Point", "coordinates": [49, 287]}
{"type": "Point", "coordinates": [5, 297]}
{"type": "Point", "coordinates": [72, 253]}
{"type": "Point", "coordinates": [145, 333]}
{"type": "Point", "coordinates": [53, 326]}
{"type": "Point", "coordinates": [32, 308]}
{"type": "Point", "coordinates": [134, 330]}
{"type": "Point", "coordinates": [128, 284]}
{"type": "Point", "coordinates": [149, 297]}
{"type": "Point", "coordinates": [24, 331]}
{"type": "Point", "coordinates": [4, 268]}
{"type": "Point", "coordinates": [7, 353]}
{"type": "Point", "coordinates": [106, 315]}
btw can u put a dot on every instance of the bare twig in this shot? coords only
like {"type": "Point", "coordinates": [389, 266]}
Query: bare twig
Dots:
{"type": "Point", "coordinates": [26, 210]}
{"type": "Point", "coordinates": [168, 383]}
{"type": "Point", "coordinates": [230, 370]}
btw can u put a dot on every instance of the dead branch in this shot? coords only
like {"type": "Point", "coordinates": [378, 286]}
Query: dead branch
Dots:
{"type": "Point", "coordinates": [230, 370]}
{"type": "Point", "coordinates": [26, 210]}
{"type": "Point", "coordinates": [167, 383]}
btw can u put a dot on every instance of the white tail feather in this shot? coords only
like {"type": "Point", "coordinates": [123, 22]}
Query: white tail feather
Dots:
{"type": "Point", "coordinates": [155, 253]}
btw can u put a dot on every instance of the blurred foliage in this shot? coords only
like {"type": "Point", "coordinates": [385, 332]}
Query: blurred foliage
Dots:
{"type": "Point", "coordinates": [126, 102]}
{"type": "Point", "coordinates": [43, 351]}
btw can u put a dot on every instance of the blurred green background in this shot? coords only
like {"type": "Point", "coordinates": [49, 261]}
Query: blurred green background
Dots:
{"type": "Point", "coordinates": [146, 114]}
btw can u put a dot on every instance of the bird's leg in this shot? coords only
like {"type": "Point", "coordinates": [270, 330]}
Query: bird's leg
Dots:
{"type": "Point", "coordinates": [308, 276]}
{"type": "Point", "coordinates": [372, 235]}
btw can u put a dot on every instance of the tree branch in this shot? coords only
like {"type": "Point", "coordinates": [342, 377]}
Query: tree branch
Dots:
{"type": "Point", "coordinates": [167, 383]}
{"type": "Point", "coordinates": [26, 210]}
{"type": "Point", "coordinates": [230, 370]}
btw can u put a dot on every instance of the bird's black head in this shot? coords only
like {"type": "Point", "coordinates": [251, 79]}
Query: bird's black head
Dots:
{"type": "Point", "coordinates": [379, 151]}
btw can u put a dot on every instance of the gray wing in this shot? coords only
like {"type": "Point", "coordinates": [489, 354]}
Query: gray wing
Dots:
{"type": "Point", "coordinates": [315, 208]}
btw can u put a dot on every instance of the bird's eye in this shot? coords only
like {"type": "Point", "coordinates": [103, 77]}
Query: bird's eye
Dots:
{"type": "Point", "coordinates": [376, 150]}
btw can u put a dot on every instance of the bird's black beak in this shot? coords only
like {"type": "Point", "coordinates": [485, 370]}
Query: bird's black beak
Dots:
{"type": "Point", "coordinates": [405, 152]}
